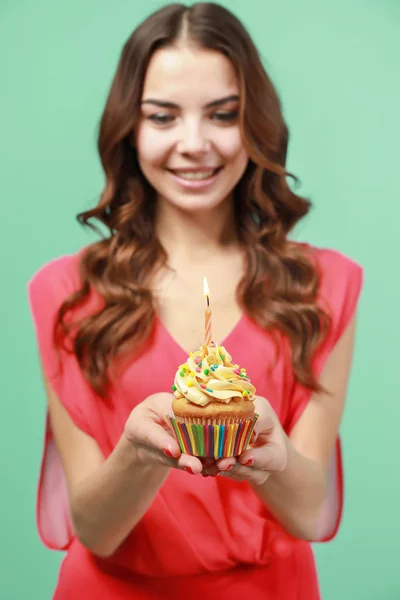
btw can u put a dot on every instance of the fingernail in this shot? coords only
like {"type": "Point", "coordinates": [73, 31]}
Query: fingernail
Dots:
{"type": "Point", "coordinates": [228, 468]}
{"type": "Point", "coordinates": [168, 453]}
{"type": "Point", "coordinates": [249, 462]}
{"type": "Point", "coordinates": [189, 470]}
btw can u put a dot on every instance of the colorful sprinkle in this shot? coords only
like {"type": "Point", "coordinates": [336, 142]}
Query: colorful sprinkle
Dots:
{"type": "Point", "coordinates": [174, 388]}
{"type": "Point", "coordinates": [200, 363]}
{"type": "Point", "coordinates": [206, 371]}
{"type": "Point", "coordinates": [204, 387]}
{"type": "Point", "coordinates": [215, 366]}
{"type": "Point", "coordinates": [209, 390]}
{"type": "Point", "coordinates": [198, 370]}
{"type": "Point", "coordinates": [189, 383]}
{"type": "Point", "coordinates": [191, 374]}
{"type": "Point", "coordinates": [181, 373]}
{"type": "Point", "coordinates": [222, 356]}
{"type": "Point", "coordinates": [243, 370]}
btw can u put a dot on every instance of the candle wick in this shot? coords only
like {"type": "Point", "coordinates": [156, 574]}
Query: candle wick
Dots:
{"type": "Point", "coordinates": [208, 302]}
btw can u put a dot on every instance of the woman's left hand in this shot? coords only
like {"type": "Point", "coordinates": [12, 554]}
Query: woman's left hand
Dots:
{"type": "Point", "coordinates": [266, 454]}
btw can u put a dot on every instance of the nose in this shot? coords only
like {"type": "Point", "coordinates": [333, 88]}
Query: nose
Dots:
{"type": "Point", "coordinates": [193, 139]}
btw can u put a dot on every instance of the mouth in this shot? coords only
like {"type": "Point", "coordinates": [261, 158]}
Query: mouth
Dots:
{"type": "Point", "coordinates": [196, 174]}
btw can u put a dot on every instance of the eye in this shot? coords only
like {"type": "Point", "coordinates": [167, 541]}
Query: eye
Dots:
{"type": "Point", "coordinates": [161, 118]}
{"type": "Point", "coordinates": [226, 116]}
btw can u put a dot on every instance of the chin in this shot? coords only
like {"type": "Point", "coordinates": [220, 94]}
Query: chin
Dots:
{"type": "Point", "coordinates": [197, 204]}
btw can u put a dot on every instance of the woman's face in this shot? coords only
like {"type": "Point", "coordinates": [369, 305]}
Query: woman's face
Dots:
{"type": "Point", "coordinates": [188, 138]}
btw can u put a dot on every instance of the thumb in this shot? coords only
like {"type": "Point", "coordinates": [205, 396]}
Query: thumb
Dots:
{"type": "Point", "coordinates": [148, 433]}
{"type": "Point", "coordinates": [265, 425]}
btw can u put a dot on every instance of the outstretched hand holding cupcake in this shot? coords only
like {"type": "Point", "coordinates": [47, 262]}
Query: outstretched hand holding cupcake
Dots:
{"type": "Point", "coordinates": [219, 425]}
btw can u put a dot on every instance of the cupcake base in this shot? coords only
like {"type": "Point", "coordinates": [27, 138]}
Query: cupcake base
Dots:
{"type": "Point", "coordinates": [210, 438]}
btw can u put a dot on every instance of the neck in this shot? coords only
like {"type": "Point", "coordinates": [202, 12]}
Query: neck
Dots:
{"type": "Point", "coordinates": [196, 236]}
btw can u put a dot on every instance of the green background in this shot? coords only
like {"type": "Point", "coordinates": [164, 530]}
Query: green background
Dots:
{"type": "Point", "coordinates": [336, 66]}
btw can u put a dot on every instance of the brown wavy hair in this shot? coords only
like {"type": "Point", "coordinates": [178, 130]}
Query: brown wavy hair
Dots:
{"type": "Point", "coordinates": [280, 285]}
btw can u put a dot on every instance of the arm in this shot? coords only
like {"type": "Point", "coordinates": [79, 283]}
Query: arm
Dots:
{"type": "Point", "coordinates": [296, 494]}
{"type": "Point", "coordinates": [108, 497]}
{"type": "Point", "coordinates": [294, 469]}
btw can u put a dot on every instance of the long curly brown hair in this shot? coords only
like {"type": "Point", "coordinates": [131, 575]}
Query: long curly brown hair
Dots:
{"type": "Point", "coordinates": [280, 284]}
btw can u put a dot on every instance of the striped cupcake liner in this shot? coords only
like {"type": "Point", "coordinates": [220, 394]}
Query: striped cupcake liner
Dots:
{"type": "Point", "coordinates": [217, 440]}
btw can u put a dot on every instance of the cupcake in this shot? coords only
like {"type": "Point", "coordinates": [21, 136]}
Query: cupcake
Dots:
{"type": "Point", "coordinates": [214, 414]}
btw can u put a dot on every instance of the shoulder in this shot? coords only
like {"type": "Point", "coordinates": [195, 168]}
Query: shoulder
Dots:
{"type": "Point", "coordinates": [57, 278]}
{"type": "Point", "coordinates": [337, 271]}
{"type": "Point", "coordinates": [329, 258]}
{"type": "Point", "coordinates": [340, 285]}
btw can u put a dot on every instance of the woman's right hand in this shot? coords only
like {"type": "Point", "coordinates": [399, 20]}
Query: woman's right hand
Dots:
{"type": "Point", "coordinates": [149, 433]}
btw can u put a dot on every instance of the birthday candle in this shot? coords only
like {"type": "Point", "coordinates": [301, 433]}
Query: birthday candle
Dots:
{"type": "Point", "coordinates": [207, 314]}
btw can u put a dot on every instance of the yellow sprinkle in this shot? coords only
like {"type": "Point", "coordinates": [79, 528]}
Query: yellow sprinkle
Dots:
{"type": "Point", "coordinates": [189, 383]}
{"type": "Point", "coordinates": [191, 374]}
{"type": "Point", "coordinates": [244, 393]}
{"type": "Point", "coordinates": [191, 354]}
{"type": "Point", "coordinates": [243, 370]}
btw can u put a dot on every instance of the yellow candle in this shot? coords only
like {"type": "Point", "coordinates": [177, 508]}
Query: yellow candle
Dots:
{"type": "Point", "coordinates": [207, 314]}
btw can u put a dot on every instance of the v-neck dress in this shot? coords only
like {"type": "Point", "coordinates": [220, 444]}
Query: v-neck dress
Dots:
{"type": "Point", "coordinates": [201, 536]}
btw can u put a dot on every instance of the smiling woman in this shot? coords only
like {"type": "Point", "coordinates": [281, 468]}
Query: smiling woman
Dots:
{"type": "Point", "coordinates": [193, 145]}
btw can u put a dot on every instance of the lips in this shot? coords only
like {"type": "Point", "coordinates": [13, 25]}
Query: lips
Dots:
{"type": "Point", "coordinates": [195, 170]}
{"type": "Point", "coordinates": [195, 179]}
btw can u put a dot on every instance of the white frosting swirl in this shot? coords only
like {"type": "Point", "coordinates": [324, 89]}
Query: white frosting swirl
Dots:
{"type": "Point", "coordinates": [209, 375]}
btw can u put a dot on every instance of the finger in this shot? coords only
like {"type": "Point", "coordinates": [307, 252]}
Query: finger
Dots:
{"type": "Point", "coordinates": [264, 425]}
{"type": "Point", "coordinates": [149, 433]}
{"type": "Point", "coordinates": [269, 457]}
{"type": "Point", "coordinates": [190, 464]}
{"type": "Point", "coordinates": [241, 473]}
{"type": "Point", "coordinates": [226, 464]}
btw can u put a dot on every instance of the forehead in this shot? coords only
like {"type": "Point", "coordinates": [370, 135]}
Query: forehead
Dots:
{"type": "Point", "coordinates": [189, 76]}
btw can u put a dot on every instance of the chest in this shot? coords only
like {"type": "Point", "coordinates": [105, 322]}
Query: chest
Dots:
{"type": "Point", "coordinates": [181, 304]}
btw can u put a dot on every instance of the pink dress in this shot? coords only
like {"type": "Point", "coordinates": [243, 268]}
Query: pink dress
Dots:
{"type": "Point", "coordinates": [201, 536]}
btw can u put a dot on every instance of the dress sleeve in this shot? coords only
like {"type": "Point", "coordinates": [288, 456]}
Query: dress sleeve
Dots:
{"type": "Point", "coordinates": [48, 288]}
{"type": "Point", "coordinates": [340, 285]}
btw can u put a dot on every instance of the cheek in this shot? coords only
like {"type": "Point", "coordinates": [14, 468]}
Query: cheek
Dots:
{"type": "Point", "coordinates": [230, 146]}
{"type": "Point", "coordinates": [152, 148]}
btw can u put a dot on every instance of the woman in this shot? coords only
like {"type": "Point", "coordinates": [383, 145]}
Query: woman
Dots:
{"type": "Point", "coordinates": [193, 145]}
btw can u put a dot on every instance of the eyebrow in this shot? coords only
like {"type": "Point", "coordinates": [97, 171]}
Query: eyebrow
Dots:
{"type": "Point", "coordinates": [213, 104]}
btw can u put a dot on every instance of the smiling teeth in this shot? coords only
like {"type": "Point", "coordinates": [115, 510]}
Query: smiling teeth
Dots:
{"type": "Point", "coordinates": [195, 175]}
